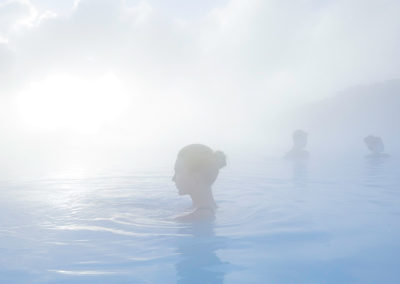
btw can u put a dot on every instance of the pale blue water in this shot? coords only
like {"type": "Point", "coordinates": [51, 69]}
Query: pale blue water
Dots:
{"type": "Point", "coordinates": [277, 222]}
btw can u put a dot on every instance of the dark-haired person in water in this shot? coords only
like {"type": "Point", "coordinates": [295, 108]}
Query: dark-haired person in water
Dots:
{"type": "Point", "coordinates": [376, 146]}
{"type": "Point", "coordinates": [196, 168]}
{"type": "Point", "coordinates": [298, 151]}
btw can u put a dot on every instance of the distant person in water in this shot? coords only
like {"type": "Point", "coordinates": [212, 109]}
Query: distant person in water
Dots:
{"type": "Point", "coordinates": [196, 168]}
{"type": "Point", "coordinates": [376, 146]}
{"type": "Point", "coordinates": [298, 151]}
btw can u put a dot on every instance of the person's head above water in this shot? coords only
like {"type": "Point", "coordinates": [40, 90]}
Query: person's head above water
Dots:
{"type": "Point", "coordinates": [298, 151]}
{"type": "Point", "coordinates": [374, 144]}
{"type": "Point", "coordinates": [196, 169]}
{"type": "Point", "coordinates": [299, 139]}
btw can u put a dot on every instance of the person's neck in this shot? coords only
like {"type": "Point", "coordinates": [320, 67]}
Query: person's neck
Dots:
{"type": "Point", "coordinates": [203, 197]}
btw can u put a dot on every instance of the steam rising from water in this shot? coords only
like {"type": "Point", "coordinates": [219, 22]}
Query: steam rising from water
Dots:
{"type": "Point", "coordinates": [96, 84]}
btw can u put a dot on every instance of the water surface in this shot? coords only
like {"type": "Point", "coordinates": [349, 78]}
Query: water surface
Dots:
{"type": "Point", "coordinates": [277, 222]}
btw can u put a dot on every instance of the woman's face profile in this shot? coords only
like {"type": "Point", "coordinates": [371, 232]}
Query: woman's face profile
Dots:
{"type": "Point", "coordinates": [185, 181]}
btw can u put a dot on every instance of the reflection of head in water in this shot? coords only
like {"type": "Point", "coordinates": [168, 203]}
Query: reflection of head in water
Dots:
{"type": "Point", "coordinates": [299, 139]}
{"type": "Point", "coordinates": [196, 168]}
{"type": "Point", "coordinates": [374, 144]}
{"type": "Point", "coordinates": [198, 261]}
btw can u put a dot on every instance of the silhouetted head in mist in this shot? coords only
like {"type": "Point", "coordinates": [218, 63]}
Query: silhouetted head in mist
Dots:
{"type": "Point", "coordinates": [196, 168]}
{"type": "Point", "coordinates": [300, 138]}
{"type": "Point", "coordinates": [298, 151]}
{"type": "Point", "coordinates": [375, 145]}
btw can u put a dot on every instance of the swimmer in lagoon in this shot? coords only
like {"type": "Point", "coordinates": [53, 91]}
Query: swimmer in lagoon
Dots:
{"type": "Point", "coordinates": [298, 151]}
{"type": "Point", "coordinates": [376, 146]}
{"type": "Point", "coordinates": [196, 169]}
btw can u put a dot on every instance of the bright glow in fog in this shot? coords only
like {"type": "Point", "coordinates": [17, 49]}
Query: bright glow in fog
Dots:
{"type": "Point", "coordinates": [97, 98]}
{"type": "Point", "coordinates": [67, 102]}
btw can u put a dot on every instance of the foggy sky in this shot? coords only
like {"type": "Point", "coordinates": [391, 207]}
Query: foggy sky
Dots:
{"type": "Point", "coordinates": [217, 72]}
